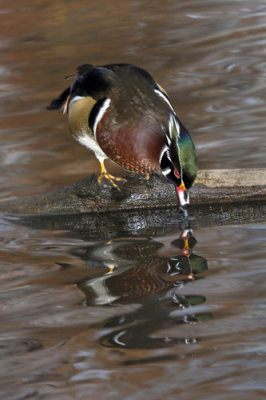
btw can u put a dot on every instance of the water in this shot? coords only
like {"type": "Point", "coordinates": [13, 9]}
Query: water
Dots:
{"type": "Point", "coordinates": [124, 310]}
{"type": "Point", "coordinates": [164, 322]}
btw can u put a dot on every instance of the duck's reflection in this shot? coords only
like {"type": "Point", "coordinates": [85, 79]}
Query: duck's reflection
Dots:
{"type": "Point", "coordinates": [135, 273]}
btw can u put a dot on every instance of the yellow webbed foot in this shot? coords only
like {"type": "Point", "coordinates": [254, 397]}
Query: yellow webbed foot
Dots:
{"type": "Point", "coordinates": [105, 175]}
{"type": "Point", "coordinates": [112, 179]}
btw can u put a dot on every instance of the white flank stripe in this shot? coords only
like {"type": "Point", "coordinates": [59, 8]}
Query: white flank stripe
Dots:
{"type": "Point", "coordinates": [100, 114]}
{"type": "Point", "coordinates": [76, 98]}
{"type": "Point", "coordinates": [101, 292]}
{"type": "Point", "coordinates": [165, 99]}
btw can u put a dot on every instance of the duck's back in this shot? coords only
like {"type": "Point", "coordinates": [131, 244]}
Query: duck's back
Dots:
{"type": "Point", "coordinates": [132, 130]}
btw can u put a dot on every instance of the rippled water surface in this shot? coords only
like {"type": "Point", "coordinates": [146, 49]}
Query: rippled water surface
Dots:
{"type": "Point", "coordinates": [179, 314]}
{"type": "Point", "coordinates": [164, 322]}
{"type": "Point", "coordinates": [210, 57]}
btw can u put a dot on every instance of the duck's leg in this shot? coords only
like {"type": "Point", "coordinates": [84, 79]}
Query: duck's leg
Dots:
{"type": "Point", "coordinates": [105, 175]}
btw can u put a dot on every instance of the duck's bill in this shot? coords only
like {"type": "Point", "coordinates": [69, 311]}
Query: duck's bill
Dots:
{"type": "Point", "coordinates": [183, 196]}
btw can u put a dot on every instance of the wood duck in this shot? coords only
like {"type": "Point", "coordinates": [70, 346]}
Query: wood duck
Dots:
{"type": "Point", "coordinates": [121, 113]}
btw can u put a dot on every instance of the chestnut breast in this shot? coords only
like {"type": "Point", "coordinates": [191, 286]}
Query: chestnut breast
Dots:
{"type": "Point", "coordinates": [135, 147]}
{"type": "Point", "coordinates": [133, 129]}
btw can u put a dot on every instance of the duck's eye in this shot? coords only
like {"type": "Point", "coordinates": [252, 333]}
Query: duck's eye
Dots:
{"type": "Point", "coordinates": [176, 173]}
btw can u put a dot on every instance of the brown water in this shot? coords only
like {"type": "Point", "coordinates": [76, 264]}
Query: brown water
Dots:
{"type": "Point", "coordinates": [165, 323]}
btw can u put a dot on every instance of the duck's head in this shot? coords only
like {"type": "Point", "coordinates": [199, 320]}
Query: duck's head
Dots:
{"type": "Point", "coordinates": [178, 160]}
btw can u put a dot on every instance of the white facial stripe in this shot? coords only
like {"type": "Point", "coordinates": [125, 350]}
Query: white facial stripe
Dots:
{"type": "Point", "coordinates": [173, 124]}
{"type": "Point", "coordinates": [100, 114]}
{"type": "Point", "coordinates": [168, 140]}
{"type": "Point", "coordinates": [163, 151]}
{"type": "Point", "coordinates": [165, 99]}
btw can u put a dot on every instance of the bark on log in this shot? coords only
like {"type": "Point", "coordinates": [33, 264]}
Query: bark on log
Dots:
{"type": "Point", "coordinates": [86, 196]}
{"type": "Point", "coordinates": [143, 207]}
{"type": "Point", "coordinates": [146, 222]}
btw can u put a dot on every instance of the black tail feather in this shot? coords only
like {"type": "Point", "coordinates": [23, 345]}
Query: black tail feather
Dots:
{"type": "Point", "coordinates": [59, 101]}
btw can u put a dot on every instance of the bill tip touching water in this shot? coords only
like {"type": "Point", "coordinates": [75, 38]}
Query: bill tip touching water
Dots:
{"type": "Point", "coordinates": [121, 113]}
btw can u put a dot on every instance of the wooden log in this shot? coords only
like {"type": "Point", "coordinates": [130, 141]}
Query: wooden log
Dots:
{"type": "Point", "coordinates": [86, 196]}
{"type": "Point", "coordinates": [215, 178]}
{"type": "Point", "coordinates": [146, 222]}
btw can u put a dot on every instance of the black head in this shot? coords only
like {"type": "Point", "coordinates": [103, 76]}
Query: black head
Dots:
{"type": "Point", "coordinates": [178, 159]}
